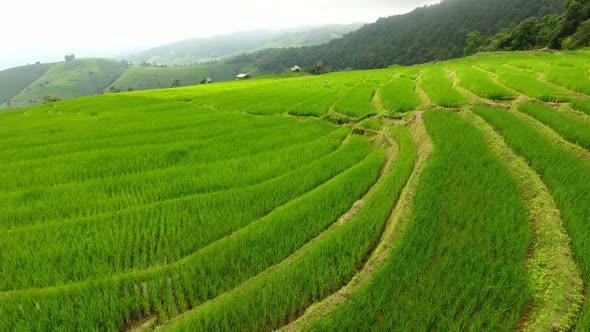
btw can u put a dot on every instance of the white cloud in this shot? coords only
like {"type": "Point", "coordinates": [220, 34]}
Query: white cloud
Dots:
{"type": "Point", "coordinates": [47, 29]}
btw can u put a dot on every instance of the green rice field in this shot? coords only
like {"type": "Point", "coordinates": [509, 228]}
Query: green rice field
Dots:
{"type": "Point", "coordinates": [401, 199]}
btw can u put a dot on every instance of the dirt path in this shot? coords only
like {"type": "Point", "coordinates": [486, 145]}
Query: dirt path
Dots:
{"type": "Point", "coordinates": [554, 276]}
{"type": "Point", "coordinates": [395, 225]}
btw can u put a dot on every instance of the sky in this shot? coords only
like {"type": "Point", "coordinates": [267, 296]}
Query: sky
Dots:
{"type": "Point", "coordinates": [46, 30]}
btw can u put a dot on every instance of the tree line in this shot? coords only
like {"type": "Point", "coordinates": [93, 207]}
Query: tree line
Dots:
{"type": "Point", "coordinates": [570, 30]}
{"type": "Point", "coordinates": [428, 33]}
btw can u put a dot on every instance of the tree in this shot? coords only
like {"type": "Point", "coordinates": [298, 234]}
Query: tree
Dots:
{"type": "Point", "coordinates": [579, 39]}
{"type": "Point", "coordinates": [577, 12]}
{"type": "Point", "coordinates": [321, 67]}
{"type": "Point", "coordinates": [114, 90]}
{"type": "Point", "coordinates": [175, 83]}
{"type": "Point", "coordinates": [50, 99]}
{"type": "Point", "coordinates": [524, 37]}
{"type": "Point", "coordinates": [473, 43]}
{"type": "Point", "coordinates": [70, 57]}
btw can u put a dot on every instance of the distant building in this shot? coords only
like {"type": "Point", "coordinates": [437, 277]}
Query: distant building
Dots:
{"type": "Point", "coordinates": [242, 76]}
{"type": "Point", "coordinates": [296, 69]}
{"type": "Point", "coordinates": [207, 81]}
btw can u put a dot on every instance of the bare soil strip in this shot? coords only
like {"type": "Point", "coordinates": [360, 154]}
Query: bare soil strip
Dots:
{"type": "Point", "coordinates": [555, 278]}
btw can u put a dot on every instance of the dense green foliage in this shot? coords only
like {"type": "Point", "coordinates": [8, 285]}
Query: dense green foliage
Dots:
{"type": "Point", "coordinates": [571, 77]}
{"type": "Point", "coordinates": [152, 226]}
{"type": "Point", "coordinates": [567, 177]}
{"type": "Point", "coordinates": [459, 265]}
{"type": "Point", "coordinates": [571, 30]}
{"type": "Point", "coordinates": [436, 32]}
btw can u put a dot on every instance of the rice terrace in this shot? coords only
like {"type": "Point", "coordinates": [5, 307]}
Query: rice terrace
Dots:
{"type": "Point", "coordinates": [429, 171]}
{"type": "Point", "coordinates": [386, 198]}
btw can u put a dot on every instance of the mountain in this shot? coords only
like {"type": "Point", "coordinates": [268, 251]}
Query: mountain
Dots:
{"type": "Point", "coordinates": [13, 80]}
{"type": "Point", "coordinates": [201, 49]}
{"type": "Point", "coordinates": [429, 33]}
{"type": "Point", "coordinates": [70, 79]}
{"type": "Point", "coordinates": [29, 85]}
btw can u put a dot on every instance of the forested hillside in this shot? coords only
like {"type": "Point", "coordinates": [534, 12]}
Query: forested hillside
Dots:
{"type": "Point", "coordinates": [199, 49]}
{"type": "Point", "coordinates": [436, 32]}
{"type": "Point", "coordinates": [571, 30]}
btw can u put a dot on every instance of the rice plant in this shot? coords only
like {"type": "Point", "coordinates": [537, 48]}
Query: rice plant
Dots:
{"type": "Point", "coordinates": [269, 300]}
{"type": "Point", "coordinates": [439, 87]}
{"type": "Point", "coordinates": [357, 102]}
{"type": "Point", "coordinates": [567, 177]}
{"type": "Point", "coordinates": [399, 95]}
{"type": "Point", "coordinates": [574, 130]}
{"type": "Point", "coordinates": [459, 264]}
{"type": "Point", "coordinates": [529, 84]}
{"type": "Point", "coordinates": [481, 84]}
{"type": "Point", "coordinates": [582, 105]}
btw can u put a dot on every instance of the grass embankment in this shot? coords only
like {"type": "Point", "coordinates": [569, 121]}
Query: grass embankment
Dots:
{"type": "Point", "coordinates": [394, 230]}
{"type": "Point", "coordinates": [572, 129]}
{"type": "Point", "coordinates": [399, 95]}
{"type": "Point", "coordinates": [528, 83]}
{"type": "Point", "coordinates": [460, 263]}
{"type": "Point", "coordinates": [357, 103]}
{"type": "Point", "coordinates": [274, 298]}
{"type": "Point", "coordinates": [439, 88]}
{"type": "Point", "coordinates": [481, 84]}
{"type": "Point", "coordinates": [567, 177]}
{"type": "Point", "coordinates": [555, 279]}
{"type": "Point", "coordinates": [208, 272]}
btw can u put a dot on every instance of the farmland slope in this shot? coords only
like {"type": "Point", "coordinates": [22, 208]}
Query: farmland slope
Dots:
{"type": "Point", "coordinates": [304, 203]}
